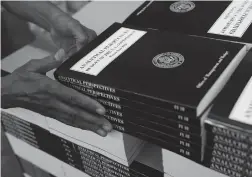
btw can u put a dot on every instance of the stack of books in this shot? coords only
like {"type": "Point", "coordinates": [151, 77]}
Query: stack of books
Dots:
{"type": "Point", "coordinates": [148, 163]}
{"type": "Point", "coordinates": [228, 126]}
{"type": "Point", "coordinates": [154, 84]}
{"type": "Point", "coordinates": [77, 160]}
{"type": "Point", "coordinates": [83, 150]}
{"type": "Point", "coordinates": [222, 20]}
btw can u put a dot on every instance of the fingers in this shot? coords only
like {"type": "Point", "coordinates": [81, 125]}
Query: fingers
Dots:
{"type": "Point", "coordinates": [100, 124]}
{"type": "Point", "coordinates": [92, 127]}
{"type": "Point", "coordinates": [91, 35]}
{"type": "Point", "coordinates": [46, 64]}
{"type": "Point", "coordinates": [68, 115]}
{"type": "Point", "coordinates": [79, 118]}
{"type": "Point", "coordinates": [83, 35]}
{"type": "Point", "coordinates": [74, 98]}
{"type": "Point", "coordinates": [65, 118]}
{"type": "Point", "coordinates": [77, 112]}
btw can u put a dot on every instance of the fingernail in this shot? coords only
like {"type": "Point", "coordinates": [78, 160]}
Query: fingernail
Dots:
{"type": "Point", "coordinates": [107, 127]}
{"type": "Point", "coordinates": [100, 111]}
{"type": "Point", "coordinates": [60, 55]}
{"type": "Point", "coordinates": [101, 132]}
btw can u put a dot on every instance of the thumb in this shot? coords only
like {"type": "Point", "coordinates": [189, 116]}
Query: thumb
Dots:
{"type": "Point", "coordinates": [46, 64]}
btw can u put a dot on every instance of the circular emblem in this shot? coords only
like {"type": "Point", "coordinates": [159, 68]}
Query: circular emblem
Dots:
{"type": "Point", "coordinates": [168, 60]}
{"type": "Point", "coordinates": [182, 6]}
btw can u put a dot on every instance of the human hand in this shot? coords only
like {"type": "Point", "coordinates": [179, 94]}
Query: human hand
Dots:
{"type": "Point", "coordinates": [70, 34]}
{"type": "Point", "coordinates": [28, 87]}
{"type": "Point", "coordinates": [66, 32]}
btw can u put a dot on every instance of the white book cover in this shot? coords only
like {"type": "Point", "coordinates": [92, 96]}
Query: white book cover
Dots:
{"type": "Point", "coordinates": [179, 166]}
{"type": "Point", "coordinates": [28, 116]}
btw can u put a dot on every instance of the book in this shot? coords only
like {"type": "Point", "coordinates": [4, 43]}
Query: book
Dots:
{"type": "Point", "coordinates": [86, 160]}
{"type": "Point", "coordinates": [106, 62]}
{"type": "Point", "coordinates": [229, 20]}
{"type": "Point", "coordinates": [123, 118]}
{"type": "Point", "coordinates": [24, 125]}
{"type": "Point", "coordinates": [131, 107]}
{"type": "Point", "coordinates": [176, 139]}
{"type": "Point", "coordinates": [228, 125]}
{"type": "Point", "coordinates": [79, 158]}
{"type": "Point", "coordinates": [116, 145]}
{"type": "Point", "coordinates": [232, 109]}
{"type": "Point", "coordinates": [237, 165]}
{"type": "Point", "coordinates": [229, 118]}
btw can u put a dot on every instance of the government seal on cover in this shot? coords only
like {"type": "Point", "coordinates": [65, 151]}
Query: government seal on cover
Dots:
{"type": "Point", "coordinates": [168, 60]}
{"type": "Point", "coordinates": [182, 6]}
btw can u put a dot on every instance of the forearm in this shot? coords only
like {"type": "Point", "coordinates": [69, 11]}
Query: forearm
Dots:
{"type": "Point", "coordinates": [42, 13]}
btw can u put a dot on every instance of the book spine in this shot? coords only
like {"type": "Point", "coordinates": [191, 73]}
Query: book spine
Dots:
{"type": "Point", "coordinates": [238, 169]}
{"type": "Point", "coordinates": [228, 151]}
{"type": "Point", "coordinates": [120, 112]}
{"type": "Point", "coordinates": [189, 140]}
{"type": "Point", "coordinates": [172, 139]}
{"type": "Point", "coordinates": [226, 171]}
{"type": "Point", "coordinates": [160, 130]}
{"type": "Point", "coordinates": [19, 128]}
{"type": "Point", "coordinates": [239, 166]}
{"type": "Point", "coordinates": [231, 149]}
{"type": "Point", "coordinates": [185, 110]}
{"type": "Point", "coordinates": [107, 165]}
{"type": "Point", "coordinates": [226, 157]}
{"type": "Point", "coordinates": [162, 113]}
{"type": "Point", "coordinates": [230, 133]}
{"type": "Point", "coordinates": [121, 123]}
{"type": "Point", "coordinates": [91, 162]}
{"type": "Point", "coordinates": [129, 112]}
{"type": "Point", "coordinates": [191, 154]}
{"type": "Point", "coordinates": [32, 135]}
{"type": "Point", "coordinates": [224, 140]}
{"type": "Point", "coordinates": [117, 116]}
